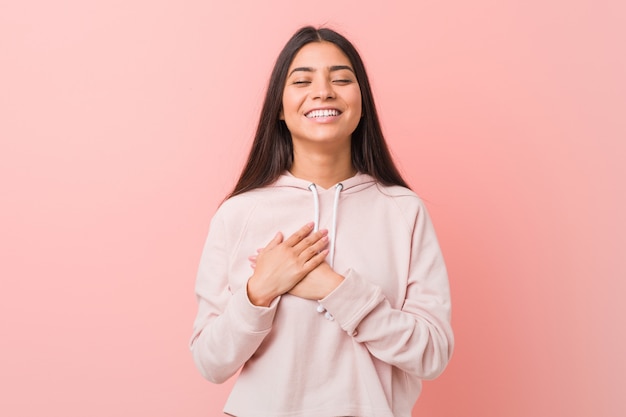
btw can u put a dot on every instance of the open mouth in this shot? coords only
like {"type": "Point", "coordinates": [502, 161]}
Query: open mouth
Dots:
{"type": "Point", "coordinates": [322, 113]}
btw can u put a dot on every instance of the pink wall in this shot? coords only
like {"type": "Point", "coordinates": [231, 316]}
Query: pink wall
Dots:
{"type": "Point", "coordinates": [124, 123]}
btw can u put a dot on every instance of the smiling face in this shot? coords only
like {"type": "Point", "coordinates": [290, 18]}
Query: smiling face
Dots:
{"type": "Point", "coordinates": [322, 98]}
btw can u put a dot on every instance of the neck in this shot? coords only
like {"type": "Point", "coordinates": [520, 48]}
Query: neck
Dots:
{"type": "Point", "coordinates": [322, 168]}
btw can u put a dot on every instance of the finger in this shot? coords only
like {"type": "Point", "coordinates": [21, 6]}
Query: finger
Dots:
{"type": "Point", "coordinates": [315, 261]}
{"type": "Point", "coordinates": [310, 240]}
{"type": "Point", "coordinates": [252, 260]}
{"type": "Point", "coordinates": [276, 240]}
{"type": "Point", "coordinates": [299, 234]}
{"type": "Point", "coordinates": [309, 252]}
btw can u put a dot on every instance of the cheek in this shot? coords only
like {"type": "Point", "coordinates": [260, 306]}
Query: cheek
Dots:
{"type": "Point", "coordinates": [357, 99]}
{"type": "Point", "coordinates": [358, 104]}
{"type": "Point", "coordinates": [290, 105]}
{"type": "Point", "coordinates": [288, 112]}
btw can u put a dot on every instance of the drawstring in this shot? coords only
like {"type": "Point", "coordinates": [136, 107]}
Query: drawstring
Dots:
{"type": "Point", "coordinates": [333, 233]}
{"type": "Point", "coordinates": [316, 206]}
{"type": "Point", "coordinates": [316, 218]}
{"type": "Point", "coordinates": [338, 189]}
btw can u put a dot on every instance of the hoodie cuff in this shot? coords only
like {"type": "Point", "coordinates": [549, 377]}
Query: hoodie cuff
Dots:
{"type": "Point", "coordinates": [352, 300]}
{"type": "Point", "coordinates": [251, 318]}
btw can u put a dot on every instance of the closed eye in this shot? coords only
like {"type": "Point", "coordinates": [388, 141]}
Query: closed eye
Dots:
{"type": "Point", "coordinates": [342, 82]}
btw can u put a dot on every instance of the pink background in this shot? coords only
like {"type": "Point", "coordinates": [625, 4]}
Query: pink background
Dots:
{"type": "Point", "coordinates": [124, 123]}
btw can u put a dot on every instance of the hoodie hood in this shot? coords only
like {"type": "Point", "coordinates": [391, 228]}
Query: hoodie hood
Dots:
{"type": "Point", "coordinates": [350, 185]}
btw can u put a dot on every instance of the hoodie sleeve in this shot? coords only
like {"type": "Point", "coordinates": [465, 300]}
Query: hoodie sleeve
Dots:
{"type": "Point", "coordinates": [418, 337]}
{"type": "Point", "coordinates": [228, 327]}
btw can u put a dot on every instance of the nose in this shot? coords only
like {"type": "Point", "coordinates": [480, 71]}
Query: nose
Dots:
{"type": "Point", "coordinates": [323, 89]}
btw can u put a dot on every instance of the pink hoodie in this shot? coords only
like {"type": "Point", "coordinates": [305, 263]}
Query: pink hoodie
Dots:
{"type": "Point", "coordinates": [388, 322]}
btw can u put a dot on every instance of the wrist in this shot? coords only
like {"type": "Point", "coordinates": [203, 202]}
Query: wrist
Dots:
{"type": "Point", "coordinates": [336, 280]}
{"type": "Point", "coordinates": [257, 295]}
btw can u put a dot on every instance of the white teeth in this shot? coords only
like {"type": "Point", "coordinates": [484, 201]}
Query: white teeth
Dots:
{"type": "Point", "coordinates": [322, 113]}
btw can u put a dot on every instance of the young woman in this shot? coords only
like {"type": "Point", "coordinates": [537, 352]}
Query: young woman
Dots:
{"type": "Point", "coordinates": [321, 278]}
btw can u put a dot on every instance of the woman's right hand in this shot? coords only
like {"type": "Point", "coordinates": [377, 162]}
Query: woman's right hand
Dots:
{"type": "Point", "coordinates": [282, 264]}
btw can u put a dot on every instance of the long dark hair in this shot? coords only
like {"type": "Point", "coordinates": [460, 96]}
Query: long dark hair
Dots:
{"type": "Point", "coordinates": [272, 150]}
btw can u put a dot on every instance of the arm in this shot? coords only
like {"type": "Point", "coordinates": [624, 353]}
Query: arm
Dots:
{"type": "Point", "coordinates": [416, 338]}
{"type": "Point", "coordinates": [229, 326]}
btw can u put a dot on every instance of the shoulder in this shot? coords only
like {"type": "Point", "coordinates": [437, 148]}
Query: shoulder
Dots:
{"type": "Point", "coordinates": [407, 203]}
{"type": "Point", "coordinates": [232, 217]}
{"type": "Point", "coordinates": [242, 206]}
{"type": "Point", "coordinates": [395, 191]}
{"type": "Point", "coordinates": [399, 195]}
{"type": "Point", "coordinates": [237, 208]}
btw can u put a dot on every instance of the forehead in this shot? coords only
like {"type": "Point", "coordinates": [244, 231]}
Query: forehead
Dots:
{"type": "Point", "coordinates": [319, 55]}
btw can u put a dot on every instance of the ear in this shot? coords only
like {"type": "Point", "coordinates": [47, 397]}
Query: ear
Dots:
{"type": "Point", "coordinates": [281, 115]}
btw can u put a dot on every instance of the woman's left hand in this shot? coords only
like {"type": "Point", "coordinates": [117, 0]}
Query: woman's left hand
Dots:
{"type": "Point", "coordinates": [316, 285]}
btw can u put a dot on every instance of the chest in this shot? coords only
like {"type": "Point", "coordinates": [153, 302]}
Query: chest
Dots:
{"type": "Point", "coordinates": [373, 240]}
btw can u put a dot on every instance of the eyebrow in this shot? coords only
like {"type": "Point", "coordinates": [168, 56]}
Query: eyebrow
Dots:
{"type": "Point", "coordinates": [331, 69]}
